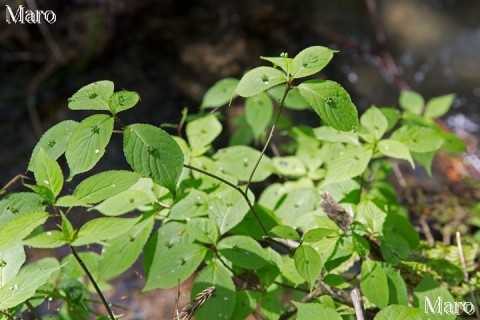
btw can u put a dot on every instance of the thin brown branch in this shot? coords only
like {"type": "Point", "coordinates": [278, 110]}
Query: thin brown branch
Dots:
{"type": "Point", "coordinates": [32, 310]}
{"type": "Point", "coordinates": [465, 274]}
{"type": "Point", "coordinates": [6, 314]}
{"type": "Point", "coordinates": [12, 182]}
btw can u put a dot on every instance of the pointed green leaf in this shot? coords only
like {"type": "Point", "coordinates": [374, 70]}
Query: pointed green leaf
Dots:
{"type": "Point", "coordinates": [97, 230]}
{"type": "Point", "coordinates": [24, 285]}
{"type": "Point", "coordinates": [310, 311]}
{"type": "Point", "coordinates": [397, 312]}
{"type": "Point", "coordinates": [201, 132]}
{"type": "Point", "coordinates": [227, 208]}
{"type": "Point", "coordinates": [245, 302]}
{"type": "Point", "coordinates": [310, 61]}
{"type": "Point", "coordinates": [325, 227]}
{"type": "Point", "coordinates": [123, 100]}
{"type": "Point", "coordinates": [259, 80]}
{"type": "Point", "coordinates": [308, 264]}
{"type": "Point", "coordinates": [243, 251]}
{"type": "Point", "coordinates": [425, 159]}
{"type": "Point", "coordinates": [374, 122]}
{"type": "Point", "coordinates": [94, 96]}
{"type": "Point", "coordinates": [15, 204]}
{"type": "Point", "coordinates": [20, 227]}
{"type": "Point", "coordinates": [239, 161]}
{"type": "Point", "coordinates": [392, 115]}
{"type": "Point", "coordinates": [371, 216]}
{"type": "Point", "coordinates": [54, 141]}
{"type": "Point", "coordinates": [220, 93]}
{"type": "Point", "coordinates": [121, 203]}
{"type": "Point", "coordinates": [360, 244]}
{"type": "Point", "coordinates": [285, 232]}
{"type": "Point", "coordinates": [283, 62]}
{"type": "Point", "coordinates": [374, 283]}
{"type": "Point", "coordinates": [104, 185]}
{"type": "Point", "coordinates": [222, 303]}
{"type": "Point", "coordinates": [120, 253]}
{"type": "Point", "coordinates": [326, 133]}
{"type": "Point", "coordinates": [395, 149]}
{"type": "Point", "coordinates": [48, 173]}
{"type": "Point", "coordinates": [153, 152]}
{"type": "Point", "coordinates": [203, 230]}
{"type": "Point", "coordinates": [418, 139]}
{"type": "Point", "coordinates": [46, 240]}
{"type": "Point", "coordinates": [396, 286]}
{"type": "Point", "coordinates": [87, 143]}
{"type": "Point", "coordinates": [11, 259]}
{"type": "Point", "coordinates": [289, 166]}
{"type": "Point", "coordinates": [438, 106]}
{"type": "Point", "coordinates": [352, 163]}
{"type": "Point", "coordinates": [411, 101]}
{"type": "Point", "coordinates": [293, 100]}
{"type": "Point", "coordinates": [331, 102]}
{"type": "Point", "coordinates": [258, 113]}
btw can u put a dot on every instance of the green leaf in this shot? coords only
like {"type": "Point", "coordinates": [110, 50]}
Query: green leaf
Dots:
{"type": "Point", "coordinates": [104, 185]}
{"type": "Point", "coordinates": [249, 226]}
{"type": "Point", "coordinates": [54, 141]}
{"type": "Point", "coordinates": [351, 163]}
{"type": "Point", "coordinates": [394, 248]}
{"type": "Point", "coordinates": [195, 204]}
{"type": "Point", "coordinates": [325, 227]}
{"type": "Point", "coordinates": [400, 226]}
{"type": "Point", "coordinates": [42, 191]}
{"type": "Point", "coordinates": [300, 202]}
{"type": "Point", "coordinates": [283, 62]}
{"type": "Point", "coordinates": [87, 143]}
{"type": "Point", "coordinates": [271, 306]}
{"type": "Point", "coordinates": [120, 253]}
{"type": "Point", "coordinates": [20, 227]}
{"type": "Point", "coordinates": [360, 244]}
{"type": "Point", "coordinates": [396, 285]}
{"type": "Point", "coordinates": [11, 259]}
{"type": "Point", "coordinates": [326, 133]}
{"type": "Point", "coordinates": [243, 251]}
{"type": "Point", "coordinates": [162, 241]}
{"type": "Point", "coordinates": [395, 149]}
{"type": "Point", "coordinates": [201, 132]}
{"type": "Point", "coordinates": [310, 61]}
{"type": "Point", "coordinates": [227, 208]}
{"type": "Point", "coordinates": [392, 115]}
{"type": "Point", "coordinates": [151, 151]}
{"type": "Point", "coordinates": [222, 303]}
{"type": "Point", "coordinates": [411, 101]}
{"type": "Point", "coordinates": [258, 113]}
{"type": "Point", "coordinates": [332, 103]}
{"type": "Point", "coordinates": [46, 240]}
{"type": "Point", "coordinates": [245, 302]}
{"type": "Point", "coordinates": [203, 230]}
{"type": "Point", "coordinates": [94, 96]}
{"type": "Point", "coordinates": [309, 311]}
{"type": "Point", "coordinates": [124, 202]}
{"type": "Point", "coordinates": [70, 201]}
{"type": "Point", "coordinates": [239, 161]}
{"type": "Point", "coordinates": [221, 93]}
{"type": "Point", "coordinates": [397, 312]}
{"type": "Point", "coordinates": [285, 232]}
{"type": "Point", "coordinates": [371, 216]}
{"type": "Point", "coordinates": [97, 230]}
{"type": "Point", "coordinates": [438, 106]}
{"type": "Point", "coordinates": [177, 264]}
{"type": "Point", "coordinates": [259, 80]}
{"type": "Point", "coordinates": [308, 264]}
{"type": "Point", "coordinates": [418, 139]}
{"type": "Point", "coordinates": [425, 159]}
{"type": "Point", "coordinates": [48, 173]}
{"type": "Point", "coordinates": [15, 204]}
{"type": "Point", "coordinates": [24, 285]}
{"type": "Point", "coordinates": [374, 283]}
{"type": "Point", "coordinates": [293, 100]}
{"type": "Point", "coordinates": [426, 294]}
{"type": "Point", "coordinates": [289, 166]}
{"type": "Point", "coordinates": [374, 122]}
{"type": "Point", "coordinates": [123, 100]}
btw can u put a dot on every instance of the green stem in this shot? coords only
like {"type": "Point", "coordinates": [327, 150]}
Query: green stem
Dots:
{"type": "Point", "coordinates": [6, 315]}
{"type": "Point", "coordinates": [87, 272]}
{"type": "Point", "coordinates": [270, 135]}
{"type": "Point", "coordinates": [32, 309]}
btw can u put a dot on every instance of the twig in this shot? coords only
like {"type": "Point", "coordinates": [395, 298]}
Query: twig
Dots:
{"type": "Point", "coordinates": [357, 303]}
{"type": "Point", "coordinates": [189, 311]}
{"type": "Point", "coordinates": [6, 314]}
{"type": "Point", "coordinates": [32, 309]}
{"type": "Point", "coordinates": [402, 181]}
{"type": "Point", "coordinates": [291, 287]}
{"type": "Point", "coordinates": [12, 181]}
{"type": "Point", "coordinates": [270, 135]}
{"type": "Point", "coordinates": [119, 121]}
{"type": "Point", "coordinates": [426, 230]}
{"type": "Point", "coordinates": [87, 272]}
{"type": "Point", "coordinates": [236, 187]}
{"type": "Point", "coordinates": [465, 274]}
{"type": "Point", "coordinates": [117, 131]}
